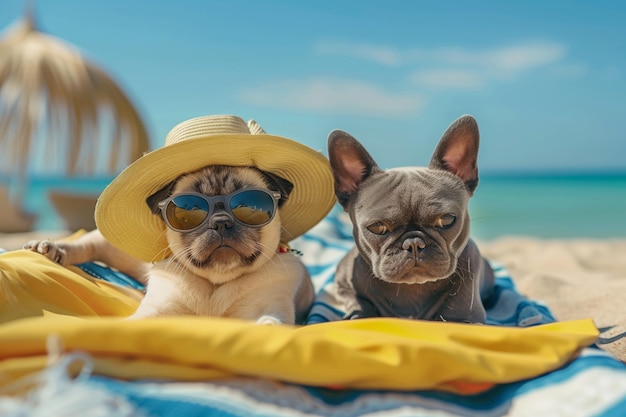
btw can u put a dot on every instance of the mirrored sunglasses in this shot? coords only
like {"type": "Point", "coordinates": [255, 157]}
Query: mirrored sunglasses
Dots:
{"type": "Point", "coordinates": [252, 207]}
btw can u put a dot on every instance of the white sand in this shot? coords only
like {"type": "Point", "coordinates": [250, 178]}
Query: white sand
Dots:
{"type": "Point", "coordinates": [577, 278]}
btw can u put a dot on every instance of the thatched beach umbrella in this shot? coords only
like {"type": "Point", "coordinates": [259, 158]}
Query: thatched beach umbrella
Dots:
{"type": "Point", "coordinates": [59, 113]}
{"type": "Point", "coordinates": [52, 98]}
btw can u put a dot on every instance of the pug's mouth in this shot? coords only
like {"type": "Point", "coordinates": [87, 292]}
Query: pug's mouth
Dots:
{"type": "Point", "coordinates": [224, 254]}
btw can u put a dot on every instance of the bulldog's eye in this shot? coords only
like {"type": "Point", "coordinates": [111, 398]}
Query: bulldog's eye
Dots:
{"type": "Point", "coordinates": [445, 221]}
{"type": "Point", "coordinates": [378, 228]}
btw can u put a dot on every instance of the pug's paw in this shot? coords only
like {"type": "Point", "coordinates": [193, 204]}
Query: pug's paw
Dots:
{"type": "Point", "coordinates": [51, 250]}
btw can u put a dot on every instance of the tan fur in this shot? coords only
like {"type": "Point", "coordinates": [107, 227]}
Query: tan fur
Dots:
{"type": "Point", "coordinates": [273, 289]}
{"type": "Point", "coordinates": [267, 292]}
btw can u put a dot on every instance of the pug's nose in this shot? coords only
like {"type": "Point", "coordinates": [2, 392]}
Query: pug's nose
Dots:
{"type": "Point", "coordinates": [414, 244]}
{"type": "Point", "coordinates": [221, 221]}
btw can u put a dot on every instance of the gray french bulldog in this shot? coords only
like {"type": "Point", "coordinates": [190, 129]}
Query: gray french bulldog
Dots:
{"type": "Point", "coordinates": [413, 256]}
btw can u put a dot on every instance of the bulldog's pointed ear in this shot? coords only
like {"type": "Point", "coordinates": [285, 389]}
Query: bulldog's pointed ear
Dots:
{"type": "Point", "coordinates": [457, 151]}
{"type": "Point", "coordinates": [350, 163]}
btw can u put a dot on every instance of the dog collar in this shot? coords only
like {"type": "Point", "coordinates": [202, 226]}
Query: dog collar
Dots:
{"type": "Point", "coordinates": [285, 248]}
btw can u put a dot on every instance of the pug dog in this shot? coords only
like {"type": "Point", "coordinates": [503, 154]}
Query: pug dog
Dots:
{"type": "Point", "coordinates": [227, 259]}
{"type": "Point", "coordinates": [413, 256]}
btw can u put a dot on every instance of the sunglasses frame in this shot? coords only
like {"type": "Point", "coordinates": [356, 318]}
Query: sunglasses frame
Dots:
{"type": "Point", "coordinates": [213, 200]}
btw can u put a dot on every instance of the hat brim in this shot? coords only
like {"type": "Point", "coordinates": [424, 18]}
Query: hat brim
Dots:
{"type": "Point", "coordinates": [124, 218]}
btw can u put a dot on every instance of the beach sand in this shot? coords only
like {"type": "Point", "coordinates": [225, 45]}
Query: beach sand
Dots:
{"type": "Point", "coordinates": [575, 278]}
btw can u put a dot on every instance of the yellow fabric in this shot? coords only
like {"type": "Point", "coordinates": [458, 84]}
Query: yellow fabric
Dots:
{"type": "Point", "coordinates": [31, 285]}
{"type": "Point", "coordinates": [380, 353]}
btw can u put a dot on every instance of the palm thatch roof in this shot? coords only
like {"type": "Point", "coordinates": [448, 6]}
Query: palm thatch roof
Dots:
{"type": "Point", "coordinates": [59, 112]}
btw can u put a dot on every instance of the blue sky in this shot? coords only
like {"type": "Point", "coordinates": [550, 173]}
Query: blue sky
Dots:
{"type": "Point", "coordinates": [546, 80]}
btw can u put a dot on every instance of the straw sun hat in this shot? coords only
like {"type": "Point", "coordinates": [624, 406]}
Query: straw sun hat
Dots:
{"type": "Point", "coordinates": [124, 218]}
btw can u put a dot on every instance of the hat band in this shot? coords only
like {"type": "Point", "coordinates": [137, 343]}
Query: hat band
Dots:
{"type": "Point", "coordinates": [212, 125]}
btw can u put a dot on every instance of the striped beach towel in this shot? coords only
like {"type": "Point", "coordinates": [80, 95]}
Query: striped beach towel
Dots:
{"type": "Point", "coordinates": [593, 384]}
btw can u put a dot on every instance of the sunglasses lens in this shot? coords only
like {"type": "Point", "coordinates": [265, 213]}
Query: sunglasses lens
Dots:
{"type": "Point", "coordinates": [252, 207]}
{"type": "Point", "coordinates": [186, 212]}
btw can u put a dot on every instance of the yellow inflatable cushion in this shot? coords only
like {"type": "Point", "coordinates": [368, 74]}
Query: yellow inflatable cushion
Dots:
{"type": "Point", "coordinates": [380, 353]}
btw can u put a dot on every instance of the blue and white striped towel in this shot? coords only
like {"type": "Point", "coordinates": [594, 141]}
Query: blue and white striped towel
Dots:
{"type": "Point", "coordinates": [594, 384]}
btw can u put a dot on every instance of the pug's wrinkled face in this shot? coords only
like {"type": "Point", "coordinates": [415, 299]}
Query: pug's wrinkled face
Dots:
{"type": "Point", "coordinates": [222, 249]}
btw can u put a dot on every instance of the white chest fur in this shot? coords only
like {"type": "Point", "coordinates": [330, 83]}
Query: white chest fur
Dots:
{"type": "Point", "coordinates": [271, 290]}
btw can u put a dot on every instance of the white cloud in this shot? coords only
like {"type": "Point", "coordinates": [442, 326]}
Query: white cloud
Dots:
{"type": "Point", "coordinates": [460, 68]}
{"type": "Point", "coordinates": [334, 95]}
{"type": "Point", "coordinates": [514, 57]}
{"type": "Point", "coordinates": [524, 57]}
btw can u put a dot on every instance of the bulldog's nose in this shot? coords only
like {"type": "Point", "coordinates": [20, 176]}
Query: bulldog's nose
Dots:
{"type": "Point", "coordinates": [414, 244]}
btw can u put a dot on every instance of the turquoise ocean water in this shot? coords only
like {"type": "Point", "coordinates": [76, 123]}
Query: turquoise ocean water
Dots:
{"type": "Point", "coordinates": [34, 195]}
{"type": "Point", "coordinates": [552, 206]}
